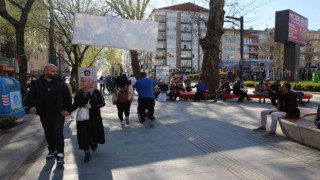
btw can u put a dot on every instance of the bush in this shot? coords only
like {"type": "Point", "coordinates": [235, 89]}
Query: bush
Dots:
{"type": "Point", "coordinates": [297, 86]}
{"type": "Point", "coordinates": [7, 122]}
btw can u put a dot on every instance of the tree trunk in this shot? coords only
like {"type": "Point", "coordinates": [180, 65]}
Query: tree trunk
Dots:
{"type": "Point", "coordinates": [135, 64]}
{"type": "Point", "coordinates": [23, 66]}
{"type": "Point", "coordinates": [210, 45]}
{"type": "Point", "coordinates": [52, 51]}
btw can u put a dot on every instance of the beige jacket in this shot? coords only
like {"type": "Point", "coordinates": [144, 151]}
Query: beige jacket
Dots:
{"type": "Point", "coordinates": [116, 92]}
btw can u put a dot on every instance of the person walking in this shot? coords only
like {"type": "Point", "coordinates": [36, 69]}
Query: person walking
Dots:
{"type": "Point", "coordinates": [122, 97]}
{"type": "Point", "coordinates": [102, 84]}
{"type": "Point", "coordinates": [49, 97]}
{"type": "Point", "coordinates": [90, 132]}
{"type": "Point", "coordinates": [133, 81]}
{"type": "Point", "coordinates": [287, 107]}
{"type": "Point", "coordinates": [146, 101]}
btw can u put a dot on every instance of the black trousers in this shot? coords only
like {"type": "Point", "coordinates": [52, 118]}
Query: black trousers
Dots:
{"type": "Point", "coordinates": [53, 124]}
{"type": "Point", "coordinates": [146, 104]}
{"type": "Point", "coordinates": [198, 95]}
{"type": "Point", "coordinates": [123, 108]}
{"type": "Point", "coordinates": [242, 95]}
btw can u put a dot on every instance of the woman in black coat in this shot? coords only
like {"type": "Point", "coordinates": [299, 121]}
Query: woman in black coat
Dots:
{"type": "Point", "coordinates": [90, 132]}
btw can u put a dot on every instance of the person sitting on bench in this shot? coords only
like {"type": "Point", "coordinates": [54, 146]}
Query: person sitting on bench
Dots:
{"type": "Point", "coordinates": [201, 89]}
{"type": "Point", "coordinates": [223, 89]}
{"type": "Point", "coordinates": [287, 107]}
{"type": "Point", "coordinates": [260, 89]}
{"type": "Point", "coordinates": [239, 89]}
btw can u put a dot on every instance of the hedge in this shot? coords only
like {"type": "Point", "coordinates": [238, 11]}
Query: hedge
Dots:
{"type": "Point", "coordinates": [7, 122]}
{"type": "Point", "coordinates": [298, 86]}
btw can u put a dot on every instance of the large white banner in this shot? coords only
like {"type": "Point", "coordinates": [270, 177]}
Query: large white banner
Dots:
{"type": "Point", "coordinates": [115, 32]}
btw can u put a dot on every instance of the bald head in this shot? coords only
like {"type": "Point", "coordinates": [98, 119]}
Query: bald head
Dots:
{"type": "Point", "coordinates": [50, 71]}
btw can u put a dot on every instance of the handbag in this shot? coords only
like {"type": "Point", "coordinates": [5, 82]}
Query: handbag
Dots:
{"type": "Point", "coordinates": [83, 113]}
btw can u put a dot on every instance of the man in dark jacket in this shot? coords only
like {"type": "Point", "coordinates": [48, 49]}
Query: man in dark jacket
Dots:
{"type": "Point", "coordinates": [50, 98]}
{"type": "Point", "coordinates": [238, 89]}
{"type": "Point", "coordinates": [287, 107]}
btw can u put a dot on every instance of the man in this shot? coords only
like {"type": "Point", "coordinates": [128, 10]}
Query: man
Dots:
{"type": "Point", "coordinates": [162, 88]}
{"type": "Point", "coordinates": [223, 89]}
{"type": "Point", "coordinates": [260, 89]}
{"type": "Point", "coordinates": [238, 89]}
{"type": "Point", "coordinates": [201, 89]}
{"type": "Point", "coordinates": [133, 81]}
{"type": "Point", "coordinates": [274, 92]}
{"type": "Point", "coordinates": [87, 73]}
{"type": "Point", "coordinates": [146, 87]}
{"type": "Point", "coordinates": [50, 98]}
{"type": "Point", "coordinates": [287, 107]}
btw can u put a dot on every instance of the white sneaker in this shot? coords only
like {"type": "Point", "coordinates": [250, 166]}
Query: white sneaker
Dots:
{"type": "Point", "coordinates": [127, 120]}
{"type": "Point", "coordinates": [150, 122]}
{"type": "Point", "coordinates": [122, 123]}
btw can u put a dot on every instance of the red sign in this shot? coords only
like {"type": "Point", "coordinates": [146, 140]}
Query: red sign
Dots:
{"type": "Point", "coordinates": [7, 68]}
{"type": "Point", "coordinates": [298, 27]}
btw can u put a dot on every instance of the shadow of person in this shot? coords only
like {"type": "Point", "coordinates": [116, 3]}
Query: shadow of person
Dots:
{"type": "Point", "coordinates": [58, 173]}
{"type": "Point", "coordinates": [46, 170]}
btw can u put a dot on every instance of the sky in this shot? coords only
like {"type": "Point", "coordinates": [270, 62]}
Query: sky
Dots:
{"type": "Point", "coordinates": [261, 14]}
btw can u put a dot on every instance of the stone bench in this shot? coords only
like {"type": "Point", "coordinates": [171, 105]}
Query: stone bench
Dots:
{"type": "Point", "coordinates": [302, 130]}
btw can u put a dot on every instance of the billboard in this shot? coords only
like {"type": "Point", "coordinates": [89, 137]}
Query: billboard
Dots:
{"type": "Point", "coordinates": [290, 26]}
{"type": "Point", "coordinates": [115, 32]}
{"type": "Point", "coordinates": [162, 72]}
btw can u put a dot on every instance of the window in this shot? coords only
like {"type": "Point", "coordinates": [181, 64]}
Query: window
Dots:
{"type": "Point", "coordinates": [185, 45]}
{"type": "Point", "coordinates": [229, 48]}
{"type": "Point", "coordinates": [186, 54]}
{"type": "Point", "coordinates": [171, 46]}
{"type": "Point", "coordinates": [229, 39]}
{"type": "Point", "coordinates": [185, 19]}
{"type": "Point", "coordinates": [171, 28]}
{"type": "Point", "coordinates": [185, 63]}
{"type": "Point", "coordinates": [185, 28]}
{"type": "Point", "coordinates": [171, 36]}
{"type": "Point", "coordinates": [172, 19]}
{"type": "Point", "coordinates": [186, 37]}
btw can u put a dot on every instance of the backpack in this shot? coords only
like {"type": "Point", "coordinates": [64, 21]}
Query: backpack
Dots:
{"type": "Point", "coordinates": [123, 95]}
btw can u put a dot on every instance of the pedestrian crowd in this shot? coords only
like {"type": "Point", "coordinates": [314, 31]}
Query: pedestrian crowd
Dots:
{"type": "Point", "coordinates": [50, 98]}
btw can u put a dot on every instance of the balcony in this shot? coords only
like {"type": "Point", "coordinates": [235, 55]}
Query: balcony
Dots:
{"type": "Point", "coordinates": [160, 57]}
{"type": "Point", "coordinates": [161, 39]}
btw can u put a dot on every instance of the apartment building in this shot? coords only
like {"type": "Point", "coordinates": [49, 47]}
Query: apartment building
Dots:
{"type": "Point", "coordinates": [180, 27]}
{"type": "Point", "coordinates": [310, 54]}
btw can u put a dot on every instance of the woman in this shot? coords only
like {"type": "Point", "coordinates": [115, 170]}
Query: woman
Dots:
{"type": "Point", "coordinates": [89, 132]}
{"type": "Point", "coordinates": [122, 97]}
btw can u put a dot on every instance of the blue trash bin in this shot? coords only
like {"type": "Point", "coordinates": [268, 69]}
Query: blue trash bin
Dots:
{"type": "Point", "coordinates": [11, 99]}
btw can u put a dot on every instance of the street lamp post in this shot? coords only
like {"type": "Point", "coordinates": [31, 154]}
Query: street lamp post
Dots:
{"type": "Point", "coordinates": [241, 40]}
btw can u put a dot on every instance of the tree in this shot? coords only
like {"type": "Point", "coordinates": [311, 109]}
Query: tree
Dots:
{"type": "Point", "coordinates": [210, 45]}
{"type": "Point", "coordinates": [130, 10]}
{"type": "Point", "coordinates": [114, 57]}
{"type": "Point", "coordinates": [64, 11]}
{"type": "Point", "coordinates": [52, 49]}
{"type": "Point", "coordinates": [24, 8]}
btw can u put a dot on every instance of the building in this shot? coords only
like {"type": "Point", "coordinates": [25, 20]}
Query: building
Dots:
{"type": "Point", "coordinates": [310, 54]}
{"type": "Point", "coordinates": [180, 27]}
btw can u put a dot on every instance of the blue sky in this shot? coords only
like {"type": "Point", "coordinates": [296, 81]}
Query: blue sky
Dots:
{"type": "Point", "coordinates": [263, 16]}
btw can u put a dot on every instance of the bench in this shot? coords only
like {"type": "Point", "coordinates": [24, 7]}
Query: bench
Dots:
{"type": "Point", "coordinates": [252, 96]}
{"type": "Point", "coordinates": [190, 95]}
{"type": "Point", "coordinates": [302, 130]}
{"type": "Point", "coordinates": [260, 97]}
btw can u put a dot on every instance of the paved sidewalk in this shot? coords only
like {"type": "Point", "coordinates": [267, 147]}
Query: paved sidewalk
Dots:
{"type": "Point", "coordinates": [190, 140]}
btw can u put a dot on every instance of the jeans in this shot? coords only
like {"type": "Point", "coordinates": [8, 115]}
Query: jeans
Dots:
{"type": "Point", "coordinates": [275, 115]}
{"type": "Point", "coordinates": [53, 124]}
{"type": "Point", "coordinates": [123, 108]}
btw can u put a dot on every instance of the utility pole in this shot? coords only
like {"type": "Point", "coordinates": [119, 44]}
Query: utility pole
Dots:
{"type": "Point", "coordinates": [241, 40]}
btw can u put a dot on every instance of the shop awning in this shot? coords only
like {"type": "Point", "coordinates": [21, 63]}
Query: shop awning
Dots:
{"type": "Point", "coordinates": [5, 61]}
{"type": "Point", "coordinates": [7, 68]}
